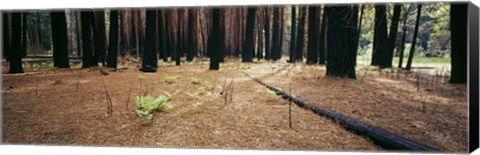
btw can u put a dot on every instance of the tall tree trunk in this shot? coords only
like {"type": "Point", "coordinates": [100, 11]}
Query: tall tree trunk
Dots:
{"type": "Point", "coordinates": [149, 57]}
{"type": "Point", "coordinates": [323, 37]}
{"type": "Point", "coordinates": [162, 36]}
{"type": "Point", "coordinates": [113, 40]}
{"type": "Point", "coordinates": [249, 40]}
{"type": "Point", "coordinates": [458, 28]}
{"type": "Point", "coordinates": [380, 38]}
{"type": "Point", "coordinates": [87, 45]}
{"type": "Point", "coordinates": [404, 35]}
{"type": "Point", "coordinates": [77, 33]}
{"type": "Point", "coordinates": [16, 53]}
{"type": "Point", "coordinates": [275, 53]}
{"type": "Point", "coordinates": [301, 34]}
{"type": "Point", "coordinates": [24, 35]}
{"type": "Point", "coordinates": [293, 32]}
{"type": "Point", "coordinates": [59, 39]}
{"type": "Point", "coordinates": [312, 46]}
{"type": "Point", "coordinates": [191, 35]}
{"type": "Point", "coordinates": [6, 37]}
{"type": "Point", "coordinates": [215, 38]}
{"type": "Point", "coordinates": [342, 30]}
{"type": "Point", "coordinates": [414, 41]}
{"type": "Point", "coordinates": [99, 38]}
{"type": "Point", "coordinates": [392, 38]}
{"type": "Point", "coordinates": [267, 33]}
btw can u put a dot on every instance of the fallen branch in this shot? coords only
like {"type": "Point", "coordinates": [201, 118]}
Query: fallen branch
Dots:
{"type": "Point", "coordinates": [109, 100]}
{"type": "Point", "coordinates": [381, 137]}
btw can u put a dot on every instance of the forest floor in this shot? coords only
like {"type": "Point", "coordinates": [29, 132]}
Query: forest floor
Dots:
{"type": "Point", "coordinates": [69, 107]}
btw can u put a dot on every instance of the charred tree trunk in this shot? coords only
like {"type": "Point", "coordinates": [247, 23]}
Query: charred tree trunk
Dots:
{"type": "Point", "coordinates": [267, 34]}
{"type": "Point", "coordinates": [404, 35]}
{"type": "Point", "coordinates": [293, 32]}
{"type": "Point", "coordinates": [342, 30]}
{"type": "Point", "coordinates": [149, 57]}
{"type": "Point", "coordinates": [312, 55]}
{"type": "Point", "coordinates": [163, 35]}
{"type": "Point", "coordinates": [322, 38]}
{"type": "Point", "coordinates": [301, 34]}
{"type": "Point", "coordinates": [191, 35]}
{"type": "Point", "coordinates": [59, 39]}
{"type": "Point", "coordinates": [215, 38]}
{"type": "Point", "coordinates": [6, 36]}
{"type": "Point", "coordinates": [392, 38]}
{"type": "Point", "coordinates": [16, 46]}
{"type": "Point", "coordinates": [113, 40]}
{"type": "Point", "coordinates": [100, 38]}
{"type": "Point", "coordinates": [87, 45]}
{"type": "Point", "coordinates": [380, 38]}
{"type": "Point", "coordinates": [249, 40]}
{"type": "Point", "coordinates": [459, 26]}
{"type": "Point", "coordinates": [275, 53]}
{"type": "Point", "coordinates": [414, 41]}
{"type": "Point", "coordinates": [24, 35]}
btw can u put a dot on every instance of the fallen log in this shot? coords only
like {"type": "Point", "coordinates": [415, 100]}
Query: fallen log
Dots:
{"type": "Point", "coordinates": [380, 137]}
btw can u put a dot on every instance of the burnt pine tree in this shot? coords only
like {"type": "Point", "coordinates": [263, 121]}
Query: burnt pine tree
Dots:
{"type": "Point", "coordinates": [249, 40]}
{"type": "Point", "coordinates": [458, 30]}
{"type": "Point", "coordinates": [322, 38]}
{"type": "Point", "coordinates": [275, 52]}
{"type": "Point", "coordinates": [414, 41]}
{"type": "Point", "coordinates": [293, 32]}
{"type": "Point", "coordinates": [342, 31]}
{"type": "Point", "coordinates": [191, 35]}
{"type": "Point", "coordinates": [113, 40]}
{"type": "Point", "coordinates": [87, 44]}
{"type": "Point", "coordinates": [267, 33]}
{"type": "Point", "coordinates": [380, 38]}
{"type": "Point", "coordinates": [16, 46]}
{"type": "Point", "coordinates": [162, 36]}
{"type": "Point", "coordinates": [312, 46]}
{"type": "Point", "coordinates": [24, 35]}
{"type": "Point", "coordinates": [6, 37]}
{"type": "Point", "coordinates": [59, 39]}
{"type": "Point", "coordinates": [301, 34]}
{"type": "Point", "coordinates": [392, 36]}
{"type": "Point", "coordinates": [404, 35]}
{"type": "Point", "coordinates": [100, 38]}
{"type": "Point", "coordinates": [215, 38]}
{"type": "Point", "coordinates": [149, 57]}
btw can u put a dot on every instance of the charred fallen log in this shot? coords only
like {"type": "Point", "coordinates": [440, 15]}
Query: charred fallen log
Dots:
{"type": "Point", "coordinates": [380, 137]}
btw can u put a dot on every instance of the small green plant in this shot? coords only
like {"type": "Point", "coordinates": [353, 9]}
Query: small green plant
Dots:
{"type": "Point", "coordinates": [197, 105]}
{"type": "Point", "coordinates": [195, 80]}
{"type": "Point", "coordinates": [197, 92]}
{"type": "Point", "coordinates": [208, 85]}
{"type": "Point", "coordinates": [148, 105]}
{"type": "Point", "coordinates": [172, 79]}
{"type": "Point", "coordinates": [273, 94]}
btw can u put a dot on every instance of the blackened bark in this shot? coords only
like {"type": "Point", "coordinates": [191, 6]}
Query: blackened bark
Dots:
{"type": "Point", "coordinates": [312, 46]}
{"type": "Point", "coordinates": [24, 35]}
{"type": "Point", "coordinates": [215, 38]}
{"type": "Point", "coordinates": [276, 49]}
{"type": "Point", "coordinates": [322, 38]}
{"type": "Point", "coordinates": [113, 40]}
{"type": "Point", "coordinates": [249, 40]}
{"type": "Point", "coordinates": [392, 38]}
{"type": "Point", "coordinates": [301, 34]}
{"type": "Point", "coordinates": [458, 23]}
{"type": "Point", "coordinates": [267, 34]}
{"type": "Point", "coordinates": [414, 41]}
{"type": "Point", "coordinates": [87, 45]}
{"type": "Point", "coordinates": [191, 35]}
{"type": "Point", "coordinates": [380, 38]}
{"type": "Point", "coordinates": [59, 39]}
{"type": "Point", "coordinates": [342, 30]}
{"type": "Point", "coordinates": [16, 53]}
{"type": "Point", "coordinates": [6, 36]}
{"type": "Point", "coordinates": [293, 32]}
{"type": "Point", "coordinates": [162, 35]}
{"type": "Point", "coordinates": [149, 57]}
{"type": "Point", "coordinates": [99, 38]}
{"type": "Point", "coordinates": [402, 44]}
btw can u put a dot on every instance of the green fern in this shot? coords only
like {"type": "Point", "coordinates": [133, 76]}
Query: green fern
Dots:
{"type": "Point", "coordinates": [148, 105]}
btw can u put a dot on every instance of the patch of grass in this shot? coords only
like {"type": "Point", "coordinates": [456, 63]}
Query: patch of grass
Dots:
{"type": "Point", "coordinates": [208, 85]}
{"type": "Point", "coordinates": [195, 80]}
{"type": "Point", "coordinates": [198, 91]}
{"type": "Point", "coordinates": [149, 104]}
{"type": "Point", "coordinates": [196, 105]}
{"type": "Point", "coordinates": [172, 79]}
